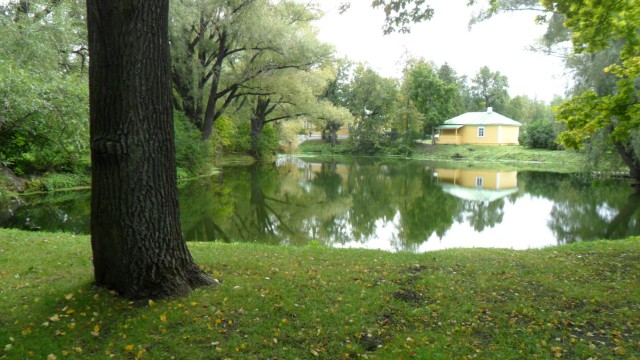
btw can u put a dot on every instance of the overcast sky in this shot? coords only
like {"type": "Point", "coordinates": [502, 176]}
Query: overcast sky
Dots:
{"type": "Point", "coordinates": [500, 43]}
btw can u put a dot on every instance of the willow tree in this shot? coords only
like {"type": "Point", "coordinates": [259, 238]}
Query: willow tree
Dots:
{"type": "Point", "coordinates": [288, 81]}
{"type": "Point", "coordinates": [288, 95]}
{"type": "Point", "coordinates": [215, 44]}
{"type": "Point", "coordinates": [138, 248]}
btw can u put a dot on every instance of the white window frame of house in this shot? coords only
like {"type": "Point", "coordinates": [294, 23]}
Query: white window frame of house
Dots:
{"type": "Point", "coordinates": [479, 181]}
{"type": "Point", "coordinates": [481, 131]}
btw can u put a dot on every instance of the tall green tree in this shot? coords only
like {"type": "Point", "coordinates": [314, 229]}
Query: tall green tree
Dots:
{"type": "Point", "coordinates": [206, 37]}
{"type": "Point", "coordinates": [372, 100]}
{"type": "Point", "coordinates": [407, 120]}
{"type": "Point", "coordinates": [336, 94]}
{"type": "Point", "coordinates": [138, 247]}
{"type": "Point", "coordinates": [221, 46]}
{"type": "Point", "coordinates": [459, 100]}
{"type": "Point", "coordinates": [597, 26]}
{"type": "Point", "coordinates": [489, 89]}
{"type": "Point", "coordinates": [290, 82]}
{"type": "Point", "coordinates": [432, 96]}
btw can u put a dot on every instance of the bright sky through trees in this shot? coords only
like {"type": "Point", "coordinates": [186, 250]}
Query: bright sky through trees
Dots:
{"type": "Point", "coordinates": [500, 43]}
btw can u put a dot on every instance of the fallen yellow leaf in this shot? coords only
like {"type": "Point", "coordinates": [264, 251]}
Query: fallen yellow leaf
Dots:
{"type": "Point", "coordinates": [96, 330]}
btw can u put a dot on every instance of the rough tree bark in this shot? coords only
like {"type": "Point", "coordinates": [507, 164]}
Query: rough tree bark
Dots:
{"type": "Point", "coordinates": [138, 248]}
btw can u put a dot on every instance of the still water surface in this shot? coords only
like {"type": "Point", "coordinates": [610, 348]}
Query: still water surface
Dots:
{"type": "Point", "coordinates": [379, 204]}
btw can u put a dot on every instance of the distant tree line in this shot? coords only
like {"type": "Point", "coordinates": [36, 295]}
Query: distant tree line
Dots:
{"type": "Point", "coordinates": [245, 75]}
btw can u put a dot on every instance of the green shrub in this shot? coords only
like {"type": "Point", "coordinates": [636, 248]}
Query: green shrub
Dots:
{"type": "Point", "coordinates": [182, 173]}
{"type": "Point", "coordinates": [58, 181]}
{"type": "Point", "coordinates": [541, 134]}
{"type": "Point", "coordinates": [268, 141]}
{"type": "Point", "coordinates": [240, 141]}
{"type": "Point", "coordinates": [324, 147]}
{"type": "Point", "coordinates": [399, 150]}
{"type": "Point", "coordinates": [192, 154]}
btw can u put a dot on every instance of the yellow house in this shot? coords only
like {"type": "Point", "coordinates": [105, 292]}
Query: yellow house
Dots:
{"type": "Point", "coordinates": [477, 185]}
{"type": "Point", "coordinates": [479, 128]}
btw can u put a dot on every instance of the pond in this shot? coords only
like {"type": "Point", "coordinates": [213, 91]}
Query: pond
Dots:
{"type": "Point", "coordinates": [387, 204]}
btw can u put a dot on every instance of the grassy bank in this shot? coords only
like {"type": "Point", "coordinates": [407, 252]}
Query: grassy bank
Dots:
{"type": "Point", "coordinates": [496, 157]}
{"type": "Point", "coordinates": [505, 156]}
{"type": "Point", "coordinates": [578, 301]}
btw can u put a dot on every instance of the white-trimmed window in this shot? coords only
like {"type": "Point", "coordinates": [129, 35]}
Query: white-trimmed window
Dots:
{"type": "Point", "coordinates": [480, 131]}
{"type": "Point", "coordinates": [479, 181]}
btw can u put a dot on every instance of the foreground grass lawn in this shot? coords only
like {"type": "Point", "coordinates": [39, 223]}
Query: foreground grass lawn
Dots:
{"type": "Point", "coordinates": [578, 302]}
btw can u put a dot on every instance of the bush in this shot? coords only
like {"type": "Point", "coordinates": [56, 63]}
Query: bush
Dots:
{"type": "Point", "coordinates": [268, 141]}
{"type": "Point", "coordinates": [399, 150]}
{"type": "Point", "coordinates": [59, 181]}
{"type": "Point", "coordinates": [541, 134]}
{"type": "Point", "coordinates": [324, 147]}
{"type": "Point", "coordinates": [240, 141]}
{"type": "Point", "coordinates": [192, 154]}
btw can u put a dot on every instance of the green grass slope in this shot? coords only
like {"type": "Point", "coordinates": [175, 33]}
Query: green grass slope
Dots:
{"type": "Point", "coordinates": [575, 302]}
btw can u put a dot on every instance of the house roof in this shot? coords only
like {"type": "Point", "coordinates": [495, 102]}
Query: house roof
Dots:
{"type": "Point", "coordinates": [480, 118]}
{"type": "Point", "coordinates": [452, 127]}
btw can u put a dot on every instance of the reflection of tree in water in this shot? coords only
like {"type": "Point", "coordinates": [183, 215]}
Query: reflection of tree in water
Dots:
{"type": "Point", "coordinates": [424, 208]}
{"type": "Point", "coordinates": [65, 211]}
{"type": "Point", "coordinates": [329, 180]}
{"type": "Point", "coordinates": [627, 221]}
{"type": "Point", "coordinates": [482, 215]}
{"type": "Point", "coordinates": [340, 203]}
{"type": "Point", "coordinates": [263, 220]}
{"type": "Point", "coordinates": [369, 188]}
{"type": "Point", "coordinates": [293, 205]}
{"type": "Point", "coordinates": [204, 204]}
{"type": "Point", "coordinates": [587, 209]}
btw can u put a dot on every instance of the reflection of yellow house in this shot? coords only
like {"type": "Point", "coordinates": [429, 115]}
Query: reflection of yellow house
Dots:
{"type": "Point", "coordinates": [477, 185]}
{"type": "Point", "coordinates": [479, 128]}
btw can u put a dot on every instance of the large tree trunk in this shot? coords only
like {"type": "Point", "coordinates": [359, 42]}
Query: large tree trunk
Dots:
{"type": "Point", "coordinates": [334, 137]}
{"type": "Point", "coordinates": [629, 157]}
{"type": "Point", "coordinates": [138, 248]}
{"type": "Point", "coordinates": [257, 125]}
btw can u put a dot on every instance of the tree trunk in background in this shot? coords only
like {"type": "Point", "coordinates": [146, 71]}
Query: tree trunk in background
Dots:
{"type": "Point", "coordinates": [138, 248]}
{"type": "Point", "coordinates": [258, 119]}
{"type": "Point", "coordinates": [334, 137]}
{"type": "Point", "coordinates": [257, 124]}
